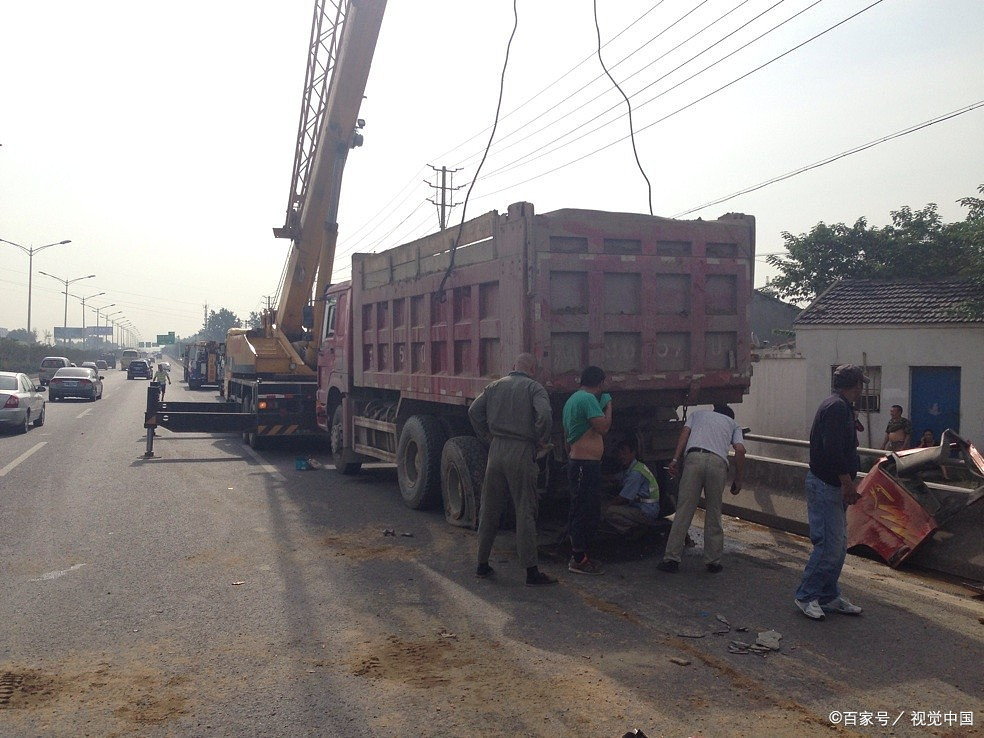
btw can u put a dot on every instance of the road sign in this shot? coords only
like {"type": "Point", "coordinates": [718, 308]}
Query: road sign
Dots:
{"type": "Point", "coordinates": [165, 339]}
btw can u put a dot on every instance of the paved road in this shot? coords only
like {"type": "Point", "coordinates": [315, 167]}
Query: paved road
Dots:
{"type": "Point", "coordinates": [212, 590]}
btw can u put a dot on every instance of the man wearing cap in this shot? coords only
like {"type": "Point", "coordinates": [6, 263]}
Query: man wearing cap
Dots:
{"type": "Point", "coordinates": [830, 488]}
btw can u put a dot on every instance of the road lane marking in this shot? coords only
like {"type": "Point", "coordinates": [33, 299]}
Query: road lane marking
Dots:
{"type": "Point", "coordinates": [58, 573]}
{"type": "Point", "coordinates": [83, 413]}
{"type": "Point", "coordinates": [268, 468]}
{"type": "Point", "coordinates": [21, 458]}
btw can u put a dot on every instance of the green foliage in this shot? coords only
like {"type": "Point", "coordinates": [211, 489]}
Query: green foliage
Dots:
{"type": "Point", "coordinates": [22, 335]}
{"type": "Point", "coordinates": [917, 244]}
{"type": "Point", "coordinates": [16, 356]}
{"type": "Point", "coordinates": [254, 321]}
{"type": "Point", "coordinates": [218, 324]}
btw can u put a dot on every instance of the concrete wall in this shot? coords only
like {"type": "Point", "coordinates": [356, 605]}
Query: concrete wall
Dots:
{"type": "Point", "coordinates": [776, 404]}
{"type": "Point", "coordinates": [895, 349]}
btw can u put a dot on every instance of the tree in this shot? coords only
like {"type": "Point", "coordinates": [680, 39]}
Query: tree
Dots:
{"type": "Point", "coordinates": [218, 324]}
{"type": "Point", "coordinates": [917, 244]}
{"type": "Point", "coordinates": [254, 321]}
{"type": "Point", "coordinates": [23, 336]}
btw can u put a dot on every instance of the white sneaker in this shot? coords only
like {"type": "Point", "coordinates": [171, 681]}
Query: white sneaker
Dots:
{"type": "Point", "coordinates": [811, 609]}
{"type": "Point", "coordinates": [841, 605]}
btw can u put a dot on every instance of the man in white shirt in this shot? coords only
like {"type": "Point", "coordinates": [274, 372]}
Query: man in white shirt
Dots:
{"type": "Point", "coordinates": [703, 444]}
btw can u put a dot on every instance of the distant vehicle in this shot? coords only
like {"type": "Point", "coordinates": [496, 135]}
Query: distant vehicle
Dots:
{"type": "Point", "coordinates": [100, 364]}
{"type": "Point", "coordinates": [140, 368]}
{"type": "Point", "coordinates": [127, 356]}
{"type": "Point", "coordinates": [76, 381]}
{"type": "Point", "coordinates": [110, 358]}
{"type": "Point", "coordinates": [90, 364]}
{"type": "Point", "coordinates": [21, 402]}
{"type": "Point", "coordinates": [49, 365]}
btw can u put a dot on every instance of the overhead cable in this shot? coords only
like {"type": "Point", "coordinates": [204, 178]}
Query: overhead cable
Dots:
{"type": "Point", "coordinates": [498, 107]}
{"type": "Point", "coordinates": [841, 155]}
{"type": "Point", "coordinates": [539, 153]}
{"type": "Point", "coordinates": [628, 104]}
{"type": "Point", "coordinates": [688, 105]}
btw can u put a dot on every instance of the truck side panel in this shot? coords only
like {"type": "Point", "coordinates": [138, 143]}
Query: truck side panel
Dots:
{"type": "Point", "coordinates": [662, 305]}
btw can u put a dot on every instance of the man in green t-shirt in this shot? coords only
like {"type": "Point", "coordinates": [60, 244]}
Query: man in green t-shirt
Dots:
{"type": "Point", "coordinates": [587, 418]}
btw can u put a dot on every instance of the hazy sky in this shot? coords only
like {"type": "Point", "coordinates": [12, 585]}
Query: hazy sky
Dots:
{"type": "Point", "coordinates": [160, 138]}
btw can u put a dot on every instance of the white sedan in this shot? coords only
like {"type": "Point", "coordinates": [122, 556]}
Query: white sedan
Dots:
{"type": "Point", "coordinates": [22, 402]}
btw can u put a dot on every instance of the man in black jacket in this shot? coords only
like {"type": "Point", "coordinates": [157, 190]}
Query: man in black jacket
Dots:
{"type": "Point", "coordinates": [830, 488]}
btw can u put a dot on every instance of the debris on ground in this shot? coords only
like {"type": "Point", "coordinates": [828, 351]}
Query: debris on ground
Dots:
{"type": "Point", "coordinates": [389, 532]}
{"type": "Point", "coordinates": [315, 464]}
{"type": "Point", "coordinates": [769, 639]}
{"type": "Point", "coordinates": [679, 661]}
{"type": "Point", "coordinates": [691, 633]}
{"type": "Point", "coordinates": [407, 535]}
{"type": "Point", "coordinates": [236, 584]}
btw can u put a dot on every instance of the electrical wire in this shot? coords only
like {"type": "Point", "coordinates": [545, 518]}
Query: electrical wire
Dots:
{"type": "Point", "coordinates": [533, 97]}
{"type": "Point", "coordinates": [498, 107]}
{"type": "Point", "coordinates": [539, 153]}
{"type": "Point", "coordinates": [841, 155]}
{"type": "Point", "coordinates": [528, 135]}
{"type": "Point", "coordinates": [688, 105]}
{"type": "Point", "coordinates": [375, 218]}
{"type": "Point", "coordinates": [628, 104]}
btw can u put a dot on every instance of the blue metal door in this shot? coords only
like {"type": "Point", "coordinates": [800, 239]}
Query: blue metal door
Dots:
{"type": "Point", "coordinates": [934, 400]}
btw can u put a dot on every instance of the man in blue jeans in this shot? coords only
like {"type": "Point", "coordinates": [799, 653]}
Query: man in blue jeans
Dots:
{"type": "Point", "coordinates": [830, 488]}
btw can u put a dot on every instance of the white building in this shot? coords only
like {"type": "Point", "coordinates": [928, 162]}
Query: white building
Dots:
{"type": "Point", "coordinates": [919, 350]}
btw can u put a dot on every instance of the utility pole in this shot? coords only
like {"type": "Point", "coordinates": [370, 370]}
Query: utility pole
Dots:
{"type": "Point", "coordinates": [447, 193]}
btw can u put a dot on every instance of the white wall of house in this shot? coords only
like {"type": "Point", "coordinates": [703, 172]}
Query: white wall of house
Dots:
{"type": "Point", "coordinates": [896, 348]}
{"type": "Point", "coordinates": [776, 404]}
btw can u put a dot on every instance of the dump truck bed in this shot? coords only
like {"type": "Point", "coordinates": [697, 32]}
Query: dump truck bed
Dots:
{"type": "Point", "coordinates": [661, 304]}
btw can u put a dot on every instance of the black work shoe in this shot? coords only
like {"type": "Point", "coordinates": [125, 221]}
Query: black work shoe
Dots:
{"type": "Point", "coordinates": [668, 565]}
{"type": "Point", "coordinates": [484, 571]}
{"type": "Point", "coordinates": [714, 568]}
{"type": "Point", "coordinates": [539, 579]}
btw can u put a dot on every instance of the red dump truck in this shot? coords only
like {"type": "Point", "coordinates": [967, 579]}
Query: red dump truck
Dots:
{"type": "Point", "coordinates": [661, 305]}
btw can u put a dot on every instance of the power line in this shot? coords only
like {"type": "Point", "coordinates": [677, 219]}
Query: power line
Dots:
{"type": "Point", "coordinates": [539, 153]}
{"type": "Point", "coordinates": [690, 104]}
{"type": "Point", "coordinates": [495, 125]}
{"type": "Point", "coordinates": [841, 155]}
{"type": "Point", "coordinates": [628, 105]}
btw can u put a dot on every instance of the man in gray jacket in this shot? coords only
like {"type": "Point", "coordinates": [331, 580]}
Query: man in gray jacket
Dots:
{"type": "Point", "coordinates": [513, 415]}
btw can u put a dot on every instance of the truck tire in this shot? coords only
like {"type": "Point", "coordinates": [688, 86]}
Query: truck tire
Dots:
{"type": "Point", "coordinates": [418, 461]}
{"type": "Point", "coordinates": [338, 455]}
{"type": "Point", "coordinates": [462, 472]}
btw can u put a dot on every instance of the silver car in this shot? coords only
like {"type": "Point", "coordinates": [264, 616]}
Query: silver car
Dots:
{"type": "Point", "coordinates": [21, 402]}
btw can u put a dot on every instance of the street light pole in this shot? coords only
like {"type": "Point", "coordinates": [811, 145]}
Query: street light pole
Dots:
{"type": "Point", "coordinates": [66, 282]}
{"type": "Point", "coordinates": [107, 316]}
{"type": "Point", "coordinates": [96, 311]}
{"type": "Point", "coordinates": [85, 342]}
{"type": "Point", "coordinates": [30, 269]}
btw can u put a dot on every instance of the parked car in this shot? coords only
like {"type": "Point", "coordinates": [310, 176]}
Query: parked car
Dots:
{"type": "Point", "coordinates": [140, 368]}
{"type": "Point", "coordinates": [22, 403]}
{"type": "Point", "coordinates": [50, 365]}
{"type": "Point", "coordinates": [75, 381]}
{"type": "Point", "coordinates": [101, 365]}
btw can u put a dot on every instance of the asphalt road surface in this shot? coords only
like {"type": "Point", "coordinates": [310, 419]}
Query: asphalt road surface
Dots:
{"type": "Point", "coordinates": [216, 591]}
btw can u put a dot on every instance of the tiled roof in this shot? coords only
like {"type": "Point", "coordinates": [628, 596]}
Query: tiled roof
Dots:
{"type": "Point", "coordinates": [868, 301]}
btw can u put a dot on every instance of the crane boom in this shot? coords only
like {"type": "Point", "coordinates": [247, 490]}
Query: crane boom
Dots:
{"type": "Point", "coordinates": [313, 211]}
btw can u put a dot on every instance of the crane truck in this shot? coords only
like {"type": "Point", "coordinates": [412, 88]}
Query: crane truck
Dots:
{"type": "Point", "coordinates": [271, 372]}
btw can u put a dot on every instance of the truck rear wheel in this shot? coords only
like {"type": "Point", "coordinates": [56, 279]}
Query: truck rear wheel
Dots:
{"type": "Point", "coordinates": [337, 440]}
{"type": "Point", "coordinates": [462, 472]}
{"type": "Point", "coordinates": [418, 461]}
